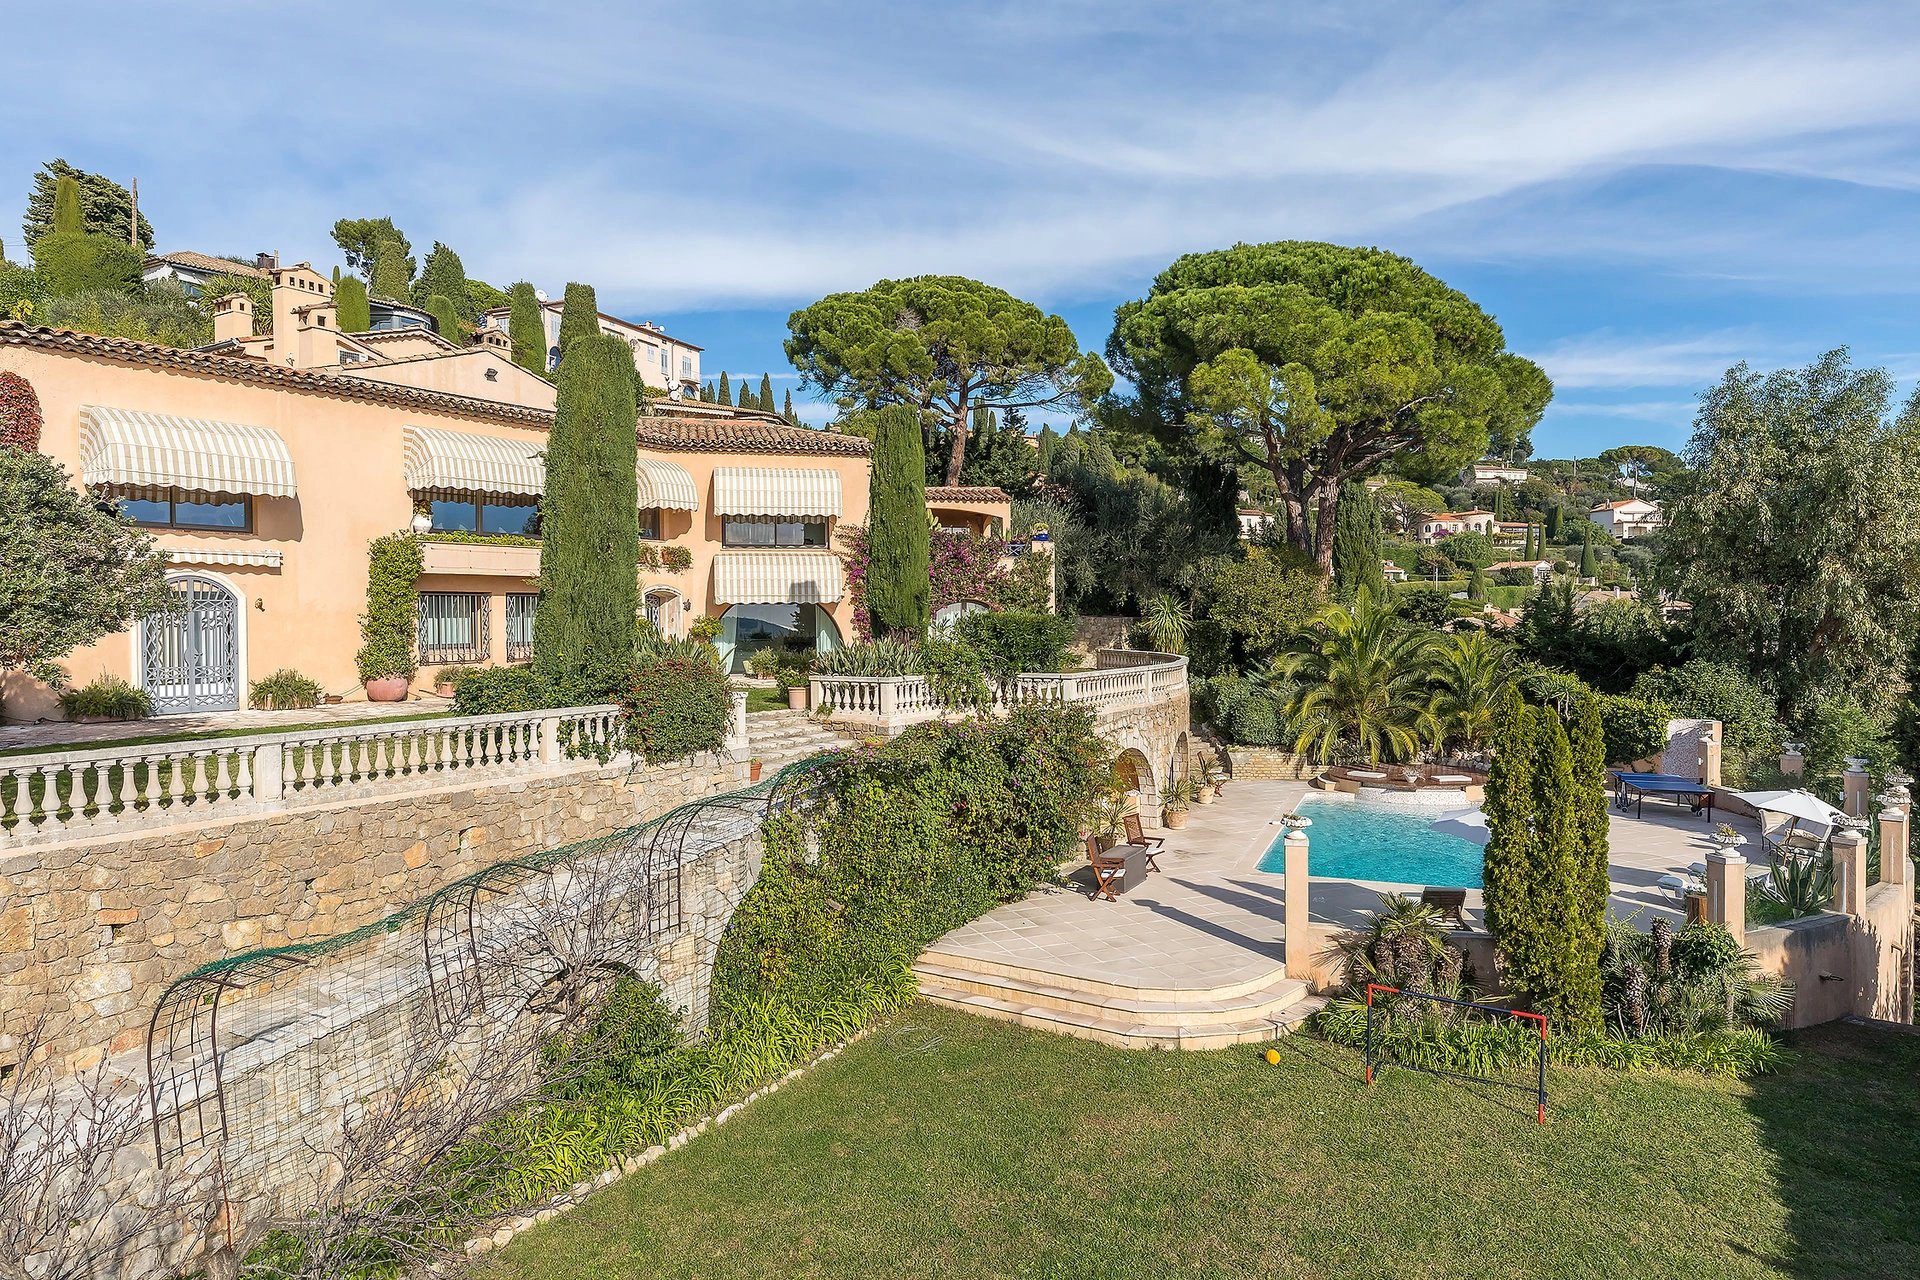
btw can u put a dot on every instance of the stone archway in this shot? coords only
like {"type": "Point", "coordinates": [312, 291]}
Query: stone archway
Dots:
{"type": "Point", "coordinates": [1134, 770]}
{"type": "Point", "coordinates": [1180, 766]}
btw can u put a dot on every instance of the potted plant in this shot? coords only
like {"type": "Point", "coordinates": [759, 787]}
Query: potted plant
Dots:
{"type": "Point", "coordinates": [753, 769]}
{"type": "Point", "coordinates": [1180, 795]}
{"type": "Point", "coordinates": [423, 516]}
{"type": "Point", "coordinates": [446, 678]}
{"type": "Point", "coordinates": [386, 660]}
{"type": "Point", "coordinates": [1202, 788]}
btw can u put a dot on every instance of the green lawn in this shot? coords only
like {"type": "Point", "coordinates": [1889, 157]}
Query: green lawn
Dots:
{"type": "Point", "coordinates": [946, 1145]}
{"type": "Point", "coordinates": [294, 724]}
{"type": "Point", "coordinates": [759, 699]}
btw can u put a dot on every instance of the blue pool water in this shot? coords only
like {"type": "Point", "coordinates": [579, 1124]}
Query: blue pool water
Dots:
{"type": "Point", "coordinates": [1353, 841]}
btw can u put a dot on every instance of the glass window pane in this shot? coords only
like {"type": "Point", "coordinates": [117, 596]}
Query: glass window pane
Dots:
{"type": "Point", "coordinates": [145, 510]}
{"type": "Point", "coordinates": [816, 535]}
{"type": "Point", "coordinates": [454, 517]}
{"type": "Point", "coordinates": [500, 517]}
{"type": "Point", "coordinates": [649, 522]}
{"type": "Point", "coordinates": [786, 534]}
{"type": "Point", "coordinates": [210, 515]}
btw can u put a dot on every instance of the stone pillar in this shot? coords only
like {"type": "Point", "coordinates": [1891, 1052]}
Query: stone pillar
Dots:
{"type": "Point", "coordinates": [1895, 832]}
{"type": "Point", "coordinates": [737, 721]}
{"type": "Point", "coordinates": [1727, 891]}
{"type": "Point", "coordinates": [550, 741]}
{"type": "Point", "coordinates": [1299, 947]}
{"type": "Point", "coordinates": [269, 773]}
{"type": "Point", "coordinates": [1854, 788]}
{"type": "Point", "coordinates": [1710, 756]}
{"type": "Point", "coordinates": [1793, 761]}
{"type": "Point", "coordinates": [1849, 871]}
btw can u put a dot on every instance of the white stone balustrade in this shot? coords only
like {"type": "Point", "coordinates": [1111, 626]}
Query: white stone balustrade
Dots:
{"type": "Point", "coordinates": [1121, 679]}
{"type": "Point", "coordinates": [92, 791]}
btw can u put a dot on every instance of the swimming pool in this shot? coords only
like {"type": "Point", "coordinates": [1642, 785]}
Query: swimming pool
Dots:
{"type": "Point", "coordinates": [1353, 841]}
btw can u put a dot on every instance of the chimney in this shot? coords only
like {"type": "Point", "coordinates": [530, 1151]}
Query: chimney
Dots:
{"type": "Point", "coordinates": [233, 318]}
{"type": "Point", "coordinates": [266, 261]}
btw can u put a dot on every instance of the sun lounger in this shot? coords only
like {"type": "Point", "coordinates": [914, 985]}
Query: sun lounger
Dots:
{"type": "Point", "coordinates": [1369, 774]}
{"type": "Point", "coordinates": [1450, 779]}
{"type": "Point", "coordinates": [1452, 903]}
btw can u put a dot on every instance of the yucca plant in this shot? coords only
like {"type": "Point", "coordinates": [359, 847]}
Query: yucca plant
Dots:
{"type": "Point", "coordinates": [1164, 622]}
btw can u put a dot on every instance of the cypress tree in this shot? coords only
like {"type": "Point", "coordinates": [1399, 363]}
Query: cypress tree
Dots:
{"type": "Point", "coordinates": [336, 279]}
{"type": "Point", "coordinates": [527, 328]}
{"type": "Point", "coordinates": [350, 305]}
{"type": "Point", "coordinates": [1506, 869]}
{"type": "Point", "coordinates": [66, 205]}
{"type": "Point", "coordinates": [1553, 524]}
{"type": "Point", "coordinates": [725, 394]}
{"type": "Point", "coordinates": [579, 315]}
{"type": "Point", "coordinates": [766, 394]}
{"type": "Point", "coordinates": [1560, 984]}
{"type": "Point", "coordinates": [1527, 551]}
{"type": "Point", "coordinates": [787, 412]}
{"type": "Point", "coordinates": [444, 276]}
{"type": "Point", "coordinates": [1588, 742]}
{"type": "Point", "coordinates": [392, 272]}
{"type": "Point", "coordinates": [583, 626]}
{"type": "Point", "coordinates": [1357, 543]}
{"type": "Point", "coordinates": [446, 320]}
{"type": "Point", "coordinates": [1477, 584]}
{"type": "Point", "coordinates": [747, 398]}
{"type": "Point", "coordinates": [706, 391]}
{"type": "Point", "coordinates": [1589, 562]}
{"type": "Point", "coordinates": [898, 586]}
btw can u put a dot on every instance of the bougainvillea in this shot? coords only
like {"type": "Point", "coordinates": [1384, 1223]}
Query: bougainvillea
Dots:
{"type": "Point", "coordinates": [19, 413]}
{"type": "Point", "coordinates": [963, 566]}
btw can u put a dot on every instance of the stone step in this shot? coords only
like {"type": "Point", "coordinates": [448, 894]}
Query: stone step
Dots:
{"type": "Point", "coordinates": [1095, 987]}
{"type": "Point", "coordinates": [1044, 991]}
{"type": "Point", "coordinates": [1123, 1032]}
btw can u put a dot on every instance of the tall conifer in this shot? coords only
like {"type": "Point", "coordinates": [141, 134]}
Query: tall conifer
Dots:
{"type": "Point", "coordinates": [579, 317]}
{"type": "Point", "coordinates": [350, 305]}
{"type": "Point", "coordinates": [527, 327]}
{"type": "Point", "coordinates": [898, 594]}
{"type": "Point", "coordinates": [725, 394]}
{"type": "Point", "coordinates": [766, 394]}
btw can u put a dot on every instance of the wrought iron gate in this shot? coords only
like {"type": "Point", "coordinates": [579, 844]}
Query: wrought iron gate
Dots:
{"type": "Point", "coordinates": [190, 655]}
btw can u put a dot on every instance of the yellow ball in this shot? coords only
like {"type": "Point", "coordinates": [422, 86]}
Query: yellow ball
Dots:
{"type": "Point", "coordinates": [1273, 1057]}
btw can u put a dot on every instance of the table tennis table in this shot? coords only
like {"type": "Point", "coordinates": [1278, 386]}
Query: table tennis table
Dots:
{"type": "Point", "coordinates": [1634, 788]}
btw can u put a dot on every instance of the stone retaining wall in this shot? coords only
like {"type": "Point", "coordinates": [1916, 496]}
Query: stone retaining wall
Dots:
{"type": "Point", "coordinates": [1265, 764]}
{"type": "Point", "coordinates": [92, 931]}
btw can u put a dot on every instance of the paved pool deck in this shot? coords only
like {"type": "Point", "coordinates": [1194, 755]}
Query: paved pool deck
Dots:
{"type": "Point", "coordinates": [1213, 920]}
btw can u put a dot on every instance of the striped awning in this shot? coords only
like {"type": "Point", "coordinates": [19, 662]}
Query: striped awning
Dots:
{"type": "Point", "coordinates": [454, 461]}
{"type": "Point", "coordinates": [223, 555]}
{"type": "Point", "coordinates": [777, 577]}
{"type": "Point", "coordinates": [666, 485]}
{"type": "Point", "coordinates": [776, 493]}
{"type": "Point", "coordinates": [158, 450]}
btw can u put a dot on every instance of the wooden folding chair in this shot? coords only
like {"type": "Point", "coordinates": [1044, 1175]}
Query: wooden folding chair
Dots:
{"type": "Point", "coordinates": [1107, 870]}
{"type": "Point", "coordinates": [1451, 902]}
{"type": "Point", "coordinates": [1152, 844]}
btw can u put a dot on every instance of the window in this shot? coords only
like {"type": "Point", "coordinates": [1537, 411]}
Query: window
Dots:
{"type": "Point", "coordinates": [650, 522]}
{"type": "Point", "coordinates": [177, 511]}
{"type": "Point", "coordinates": [487, 515]}
{"type": "Point", "coordinates": [772, 533]}
{"type": "Point", "coordinates": [453, 626]}
{"type": "Point", "coordinates": [686, 366]}
{"type": "Point", "coordinates": [520, 606]}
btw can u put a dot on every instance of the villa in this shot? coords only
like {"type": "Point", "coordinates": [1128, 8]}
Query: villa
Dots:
{"type": "Point", "coordinates": [1630, 518]}
{"type": "Point", "coordinates": [265, 464]}
{"type": "Point", "coordinates": [1432, 528]}
{"type": "Point", "coordinates": [1542, 569]}
{"type": "Point", "coordinates": [665, 363]}
{"type": "Point", "coordinates": [1492, 472]}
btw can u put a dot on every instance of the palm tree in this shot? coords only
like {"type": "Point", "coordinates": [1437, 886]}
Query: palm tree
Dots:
{"type": "Point", "coordinates": [1165, 621]}
{"type": "Point", "coordinates": [1468, 671]}
{"type": "Point", "coordinates": [1362, 684]}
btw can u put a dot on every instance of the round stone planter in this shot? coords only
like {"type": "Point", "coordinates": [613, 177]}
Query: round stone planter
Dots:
{"type": "Point", "coordinates": [386, 689]}
{"type": "Point", "coordinates": [797, 698]}
{"type": "Point", "coordinates": [1203, 794]}
{"type": "Point", "coordinates": [1175, 818]}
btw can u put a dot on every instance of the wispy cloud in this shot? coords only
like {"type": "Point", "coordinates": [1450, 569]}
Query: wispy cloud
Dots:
{"type": "Point", "coordinates": [1617, 360]}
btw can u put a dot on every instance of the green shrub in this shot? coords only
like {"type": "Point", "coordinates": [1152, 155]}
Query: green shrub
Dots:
{"type": "Point", "coordinates": [955, 673]}
{"type": "Point", "coordinates": [676, 559]}
{"type": "Point", "coordinates": [498, 690]}
{"type": "Point", "coordinates": [1012, 643]}
{"type": "Point", "coordinates": [284, 690]}
{"type": "Point", "coordinates": [387, 627]}
{"type": "Point", "coordinates": [676, 708]}
{"type": "Point", "coordinates": [885, 657]}
{"type": "Point", "coordinates": [1635, 728]}
{"type": "Point", "coordinates": [1707, 690]}
{"type": "Point", "coordinates": [108, 696]}
{"type": "Point", "coordinates": [75, 261]}
{"type": "Point", "coordinates": [1254, 722]}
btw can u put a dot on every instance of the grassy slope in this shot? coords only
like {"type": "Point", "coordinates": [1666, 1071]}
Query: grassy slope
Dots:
{"type": "Point", "coordinates": [952, 1146]}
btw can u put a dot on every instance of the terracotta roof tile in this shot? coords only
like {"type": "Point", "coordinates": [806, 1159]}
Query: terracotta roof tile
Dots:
{"type": "Point", "coordinates": [759, 434]}
{"type": "Point", "coordinates": [966, 493]}
{"type": "Point", "coordinates": [206, 262]}
{"type": "Point", "coordinates": [13, 333]}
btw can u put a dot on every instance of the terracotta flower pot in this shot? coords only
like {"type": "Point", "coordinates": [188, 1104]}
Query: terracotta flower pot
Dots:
{"type": "Point", "coordinates": [753, 771]}
{"type": "Point", "coordinates": [443, 690]}
{"type": "Point", "coordinates": [797, 698]}
{"type": "Point", "coordinates": [1175, 818]}
{"type": "Point", "coordinates": [1203, 794]}
{"type": "Point", "coordinates": [386, 689]}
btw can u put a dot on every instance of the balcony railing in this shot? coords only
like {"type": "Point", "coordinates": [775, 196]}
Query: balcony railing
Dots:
{"type": "Point", "coordinates": [1122, 679]}
{"type": "Point", "coordinates": [103, 791]}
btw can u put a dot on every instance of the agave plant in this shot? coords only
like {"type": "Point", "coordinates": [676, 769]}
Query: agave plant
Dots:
{"type": "Point", "coordinates": [884, 657]}
{"type": "Point", "coordinates": [1362, 685]}
{"type": "Point", "coordinates": [1798, 886]}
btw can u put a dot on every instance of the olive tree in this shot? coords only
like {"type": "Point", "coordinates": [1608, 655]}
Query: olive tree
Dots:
{"type": "Point", "coordinates": [70, 572]}
{"type": "Point", "coordinates": [1320, 363]}
{"type": "Point", "coordinates": [945, 345]}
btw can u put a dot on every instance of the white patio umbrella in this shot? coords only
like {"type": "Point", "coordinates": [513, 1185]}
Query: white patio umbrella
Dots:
{"type": "Point", "coordinates": [1801, 805]}
{"type": "Point", "coordinates": [1467, 824]}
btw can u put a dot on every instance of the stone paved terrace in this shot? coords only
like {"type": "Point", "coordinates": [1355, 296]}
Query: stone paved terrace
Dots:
{"type": "Point", "coordinates": [1213, 920]}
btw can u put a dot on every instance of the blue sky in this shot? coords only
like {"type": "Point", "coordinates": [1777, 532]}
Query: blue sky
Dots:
{"type": "Point", "coordinates": [1643, 194]}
